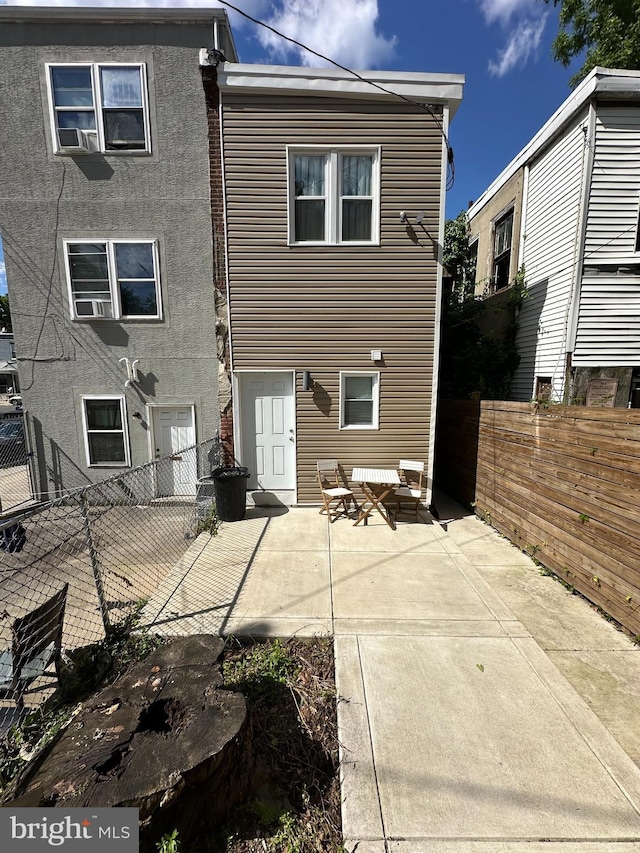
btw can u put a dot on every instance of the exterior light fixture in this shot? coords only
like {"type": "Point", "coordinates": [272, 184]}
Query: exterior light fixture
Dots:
{"type": "Point", "coordinates": [307, 382]}
{"type": "Point", "coordinates": [403, 217]}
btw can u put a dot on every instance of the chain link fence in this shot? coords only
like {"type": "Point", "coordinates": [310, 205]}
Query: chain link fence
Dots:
{"type": "Point", "coordinates": [109, 546]}
{"type": "Point", "coordinates": [16, 488]}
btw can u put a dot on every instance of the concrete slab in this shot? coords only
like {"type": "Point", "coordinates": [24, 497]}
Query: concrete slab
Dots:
{"type": "Point", "coordinates": [429, 627]}
{"type": "Point", "coordinates": [264, 627]}
{"type": "Point", "coordinates": [299, 530]}
{"type": "Point", "coordinates": [361, 817]}
{"type": "Point", "coordinates": [390, 586]}
{"type": "Point", "coordinates": [377, 536]}
{"type": "Point", "coordinates": [282, 584]}
{"type": "Point", "coordinates": [609, 681]}
{"type": "Point", "coordinates": [521, 770]}
{"type": "Point", "coordinates": [557, 619]}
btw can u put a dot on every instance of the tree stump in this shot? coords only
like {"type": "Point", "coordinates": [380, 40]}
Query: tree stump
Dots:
{"type": "Point", "coordinates": [164, 739]}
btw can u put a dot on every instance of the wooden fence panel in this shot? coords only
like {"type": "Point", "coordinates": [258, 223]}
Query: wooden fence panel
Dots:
{"type": "Point", "coordinates": [562, 483]}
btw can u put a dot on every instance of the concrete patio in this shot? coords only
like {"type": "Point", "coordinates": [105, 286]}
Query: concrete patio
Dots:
{"type": "Point", "coordinates": [481, 705]}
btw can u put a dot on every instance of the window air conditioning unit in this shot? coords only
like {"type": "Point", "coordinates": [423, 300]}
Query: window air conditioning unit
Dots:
{"type": "Point", "coordinates": [93, 308]}
{"type": "Point", "coordinates": [74, 141]}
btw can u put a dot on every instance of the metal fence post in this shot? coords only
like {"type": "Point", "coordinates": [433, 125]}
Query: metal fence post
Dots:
{"type": "Point", "coordinates": [95, 566]}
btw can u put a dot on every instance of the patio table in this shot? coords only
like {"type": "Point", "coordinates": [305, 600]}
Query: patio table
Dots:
{"type": "Point", "coordinates": [376, 483]}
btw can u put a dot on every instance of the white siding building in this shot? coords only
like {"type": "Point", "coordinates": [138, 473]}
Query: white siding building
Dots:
{"type": "Point", "coordinates": [578, 240]}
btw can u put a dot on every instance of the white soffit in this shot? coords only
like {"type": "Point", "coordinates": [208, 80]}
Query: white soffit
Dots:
{"type": "Point", "coordinates": [422, 87]}
{"type": "Point", "coordinates": [600, 81]}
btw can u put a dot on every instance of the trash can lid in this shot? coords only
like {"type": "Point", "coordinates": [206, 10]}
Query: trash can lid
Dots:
{"type": "Point", "coordinates": [228, 473]}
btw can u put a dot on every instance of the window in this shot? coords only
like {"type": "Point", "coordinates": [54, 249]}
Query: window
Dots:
{"type": "Point", "coordinates": [359, 400]}
{"type": "Point", "coordinates": [113, 279]}
{"type": "Point", "coordinates": [104, 421]}
{"type": "Point", "coordinates": [333, 196]}
{"type": "Point", "coordinates": [502, 237]}
{"type": "Point", "coordinates": [544, 388]}
{"type": "Point", "coordinates": [99, 108]}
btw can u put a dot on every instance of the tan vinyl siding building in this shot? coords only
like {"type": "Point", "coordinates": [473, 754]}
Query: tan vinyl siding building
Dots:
{"type": "Point", "coordinates": [323, 308]}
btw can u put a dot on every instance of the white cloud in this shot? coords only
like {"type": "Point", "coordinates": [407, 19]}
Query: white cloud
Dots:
{"type": "Point", "coordinates": [3, 277]}
{"type": "Point", "coordinates": [523, 43]}
{"type": "Point", "coordinates": [344, 30]}
{"type": "Point", "coordinates": [504, 10]}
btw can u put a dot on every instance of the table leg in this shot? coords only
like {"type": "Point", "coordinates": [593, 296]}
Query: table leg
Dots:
{"type": "Point", "coordinates": [376, 501]}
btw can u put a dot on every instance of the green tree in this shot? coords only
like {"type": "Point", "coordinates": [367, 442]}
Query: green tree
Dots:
{"type": "Point", "coordinates": [458, 258]}
{"type": "Point", "coordinates": [5, 314]}
{"type": "Point", "coordinates": [608, 30]}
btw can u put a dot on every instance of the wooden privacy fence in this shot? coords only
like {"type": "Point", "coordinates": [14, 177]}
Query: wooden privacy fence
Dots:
{"type": "Point", "coordinates": [562, 483]}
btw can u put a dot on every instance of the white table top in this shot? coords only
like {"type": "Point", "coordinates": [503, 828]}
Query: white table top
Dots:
{"type": "Point", "coordinates": [380, 476]}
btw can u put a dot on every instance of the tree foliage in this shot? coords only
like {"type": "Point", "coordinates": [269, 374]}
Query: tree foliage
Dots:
{"type": "Point", "coordinates": [458, 259]}
{"type": "Point", "coordinates": [5, 314]}
{"type": "Point", "coordinates": [608, 30]}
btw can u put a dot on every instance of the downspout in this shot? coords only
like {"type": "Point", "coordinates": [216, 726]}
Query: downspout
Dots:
{"type": "Point", "coordinates": [523, 215]}
{"type": "Point", "coordinates": [581, 236]}
{"type": "Point", "coordinates": [438, 310]}
{"type": "Point", "coordinates": [237, 445]}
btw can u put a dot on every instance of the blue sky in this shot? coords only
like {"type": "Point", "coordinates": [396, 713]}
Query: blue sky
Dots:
{"type": "Point", "coordinates": [503, 47]}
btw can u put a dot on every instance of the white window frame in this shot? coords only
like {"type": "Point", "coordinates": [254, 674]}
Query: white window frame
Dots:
{"type": "Point", "coordinates": [124, 431]}
{"type": "Point", "coordinates": [375, 388]}
{"type": "Point", "coordinates": [333, 196]}
{"type": "Point", "coordinates": [99, 134]}
{"type": "Point", "coordinates": [116, 307]}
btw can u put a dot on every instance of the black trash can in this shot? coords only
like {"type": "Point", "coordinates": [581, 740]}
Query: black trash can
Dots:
{"type": "Point", "coordinates": [231, 492]}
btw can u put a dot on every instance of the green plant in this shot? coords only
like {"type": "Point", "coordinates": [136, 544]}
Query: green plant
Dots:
{"type": "Point", "coordinates": [266, 662]}
{"type": "Point", "coordinates": [169, 843]}
{"type": "Point", "coordinates": [583, 518]}
{"type": "Point", "coordinates": [210, 523]}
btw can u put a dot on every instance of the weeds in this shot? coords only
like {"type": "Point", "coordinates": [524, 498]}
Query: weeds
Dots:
{"type": "Point", "coordinates": [169, 843]}
{"type": "Point", "coordinates": [210, 522]}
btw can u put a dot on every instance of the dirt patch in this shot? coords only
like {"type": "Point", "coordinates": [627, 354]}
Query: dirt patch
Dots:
{"type": "Point", "coordinates": [294, 800]}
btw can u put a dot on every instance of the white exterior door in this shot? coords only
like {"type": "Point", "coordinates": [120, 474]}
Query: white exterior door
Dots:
{"type": "Point", "coordinates": [174, 430]}
{"type": "Point", "coordinates": [268, 430]}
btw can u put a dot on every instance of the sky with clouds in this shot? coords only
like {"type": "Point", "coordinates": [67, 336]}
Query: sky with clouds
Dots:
{"type": "Point", "coordinates": [503, 47]}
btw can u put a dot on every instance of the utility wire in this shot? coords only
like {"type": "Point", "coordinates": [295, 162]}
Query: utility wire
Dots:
{"type": "Point", "coordinates": [425, 107]}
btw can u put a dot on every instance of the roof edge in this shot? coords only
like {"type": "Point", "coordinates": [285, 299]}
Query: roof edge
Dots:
{"type": "Point", "coordinates": [110, 13]}
{"type": "Point", "coordinates": [600, 80]}
{"type": "Point", "coordinates": [421, 86]}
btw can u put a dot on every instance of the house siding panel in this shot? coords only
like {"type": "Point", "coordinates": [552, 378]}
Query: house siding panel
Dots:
{"type": "Point", "coordinates": [612, 221]}
{"type": "Point", "coordinates": [324, 308]}
{"type": "Point", "coordinates": [551, 232]}
{"type": "Point", "coordinates": [609, 312]}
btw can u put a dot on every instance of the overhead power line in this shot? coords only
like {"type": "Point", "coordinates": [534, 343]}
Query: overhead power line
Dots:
{"type": "Point", "coordinates": [425, 107]}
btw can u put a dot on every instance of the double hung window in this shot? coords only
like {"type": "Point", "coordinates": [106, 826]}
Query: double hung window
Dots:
{"type": "Point", "coordinates": [334, 196]}
{"type": "Point", "coordinates": [104, 422]}
{"type": "Point", "coordinates": [99, 107]}
{"type": "Point", "coordinates": [359, 400]}
{"type": "Point", "coordinates": [502, 239]}
{"type": "Point", "coordinates": [113, 279]}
